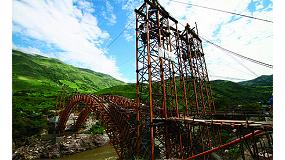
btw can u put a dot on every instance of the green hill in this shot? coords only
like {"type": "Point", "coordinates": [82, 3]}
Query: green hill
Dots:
{"type": "Point", "coordinates": [40, 73]}
{"type": "Point", "coordinates": [228, 94]}
{"type": "Point", "coordinates": [38, 81]}
{"type": "Point", "coordinates": [265, 80]}
{"type": "Point", "coordinates": [128, 90]}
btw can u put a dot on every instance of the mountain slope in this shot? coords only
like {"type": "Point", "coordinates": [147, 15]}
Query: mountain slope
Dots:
{"type": "Point", "coordinates": [34, 71]}
{"type": "Point", "coordinates": [228, 94]}
{"type": "Point", "coordinates": [264, 80]}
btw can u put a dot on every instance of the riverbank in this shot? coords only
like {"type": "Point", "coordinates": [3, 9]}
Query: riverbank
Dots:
{"type": "Point", "coordinates": [105, 152]}
{"type": "Point", "coordinates": [55, 147]}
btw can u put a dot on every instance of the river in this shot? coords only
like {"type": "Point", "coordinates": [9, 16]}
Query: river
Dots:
{"type": "Point", "coordinates": [106, 152]}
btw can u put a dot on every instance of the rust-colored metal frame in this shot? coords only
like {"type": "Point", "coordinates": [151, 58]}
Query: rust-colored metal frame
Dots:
{"type": "Point", "coordinates": [172, 81]}
{"type": "Point", "coordinates": [171, 73]}
{"type": "Point", "coordinates": [188, 138]}
{"type": "Point", "coordinates": [115, 112]}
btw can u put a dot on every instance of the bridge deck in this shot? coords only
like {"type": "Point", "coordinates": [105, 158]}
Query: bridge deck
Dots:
{"type": "Point", "coordinates": [232, 123]}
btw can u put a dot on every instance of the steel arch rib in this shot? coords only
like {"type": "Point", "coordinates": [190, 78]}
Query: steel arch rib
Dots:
{"type": "Point", "coordinates": [112, 111]}
{"type": "Point", "coordinates": [92, 104]}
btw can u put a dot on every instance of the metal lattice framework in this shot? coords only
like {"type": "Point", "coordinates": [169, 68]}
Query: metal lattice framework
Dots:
{"type": "Point", "coordinates": [173, 116]}
{"type": "Point", "coordinates": [115, 112]}
{"type": "Point", "coordinates": [171, 71]}
{"type": "Point", "coordinates": [172, 80]}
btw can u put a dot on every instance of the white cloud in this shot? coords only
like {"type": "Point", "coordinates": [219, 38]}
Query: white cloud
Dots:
{"type": "Point", "coordinates": [109, 14]}
{"type": "Point", "coordinates": [249, 37]}
{"type": "Point", "coordinates": [129, 6]}
{"type": "Point", "coordinates": [85, 6]}
{"type": "Point", "coordinates": [29, 50]}
{"type": "Point", "coordinates": [69, 26]}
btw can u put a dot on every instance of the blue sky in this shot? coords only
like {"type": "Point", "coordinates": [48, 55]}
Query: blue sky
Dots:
{"type": "Point", "coordinates": [79, 32]}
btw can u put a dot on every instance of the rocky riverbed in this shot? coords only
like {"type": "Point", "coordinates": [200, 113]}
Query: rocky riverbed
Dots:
{"type": "Point", "coordinates": [46, 148]}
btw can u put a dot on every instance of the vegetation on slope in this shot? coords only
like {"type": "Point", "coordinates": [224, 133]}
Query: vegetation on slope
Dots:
{"type": "Point", "coordinates": [264, 80]}
{"type": "Point", "coordinates": [38, 81]}
{"type": "Point", "coordinates": [34, 72]}
{"type": "Point", "coordinates": [128, 91]}
{"type": "Point", "coordinates": [228, 94]}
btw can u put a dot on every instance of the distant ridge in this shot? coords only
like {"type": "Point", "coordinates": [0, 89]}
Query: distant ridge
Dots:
{"type": "Point", "coordinates": [264, 80]}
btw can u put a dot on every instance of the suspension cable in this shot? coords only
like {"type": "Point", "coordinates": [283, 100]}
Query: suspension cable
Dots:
{"type": "Point", "coordinates": [219, 10]}
{"type": "Point", "coordinates": [229, 78]}
{"type": "Point", "coordinates": [238, 55]}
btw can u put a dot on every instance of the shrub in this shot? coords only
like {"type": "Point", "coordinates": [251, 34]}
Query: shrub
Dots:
{"type": "Point", "coordinates": [96, 129]}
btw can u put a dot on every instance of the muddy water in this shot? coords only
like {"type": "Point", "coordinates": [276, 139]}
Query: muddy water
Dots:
{"type": "Point", "coordinates": [106, 152]}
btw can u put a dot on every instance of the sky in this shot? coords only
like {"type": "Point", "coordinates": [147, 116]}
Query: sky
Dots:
{"type": "Point", "coordinates": [100, 34]}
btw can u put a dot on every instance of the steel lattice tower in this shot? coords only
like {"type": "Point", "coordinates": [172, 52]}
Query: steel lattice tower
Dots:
{"type": "Point", "coordinates": [171, 70]}
{"type": "Point", "coordinates": [173, 83]}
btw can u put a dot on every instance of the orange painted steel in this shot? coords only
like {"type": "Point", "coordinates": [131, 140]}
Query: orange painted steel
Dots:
{"type": "Point", "coordinates": [223, 146]}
